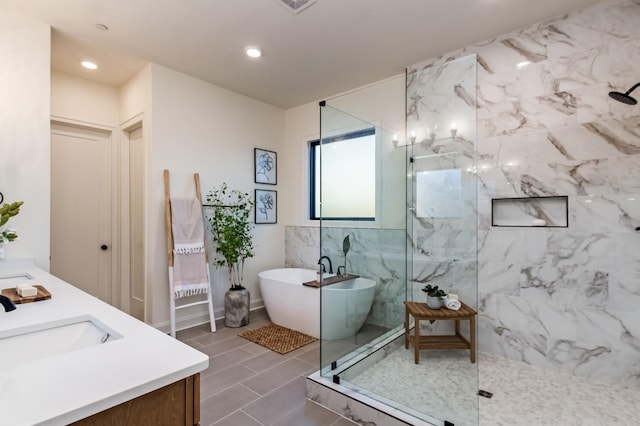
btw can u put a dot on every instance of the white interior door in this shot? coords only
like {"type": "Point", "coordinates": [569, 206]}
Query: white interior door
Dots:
{"type": "Point", "coordinates": [81, 209]}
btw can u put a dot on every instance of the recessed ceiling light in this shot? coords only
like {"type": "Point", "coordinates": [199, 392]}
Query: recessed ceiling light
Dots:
{"type": "Point", "coordinates": [89, 65]}
{"type": "Point", "coordinates": [253, 52]}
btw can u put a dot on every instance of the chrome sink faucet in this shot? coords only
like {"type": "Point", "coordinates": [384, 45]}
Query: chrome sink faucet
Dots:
{"type": "Point", "coordinates": [7, 303]}
{"type": "Point", "coordinates": [322, 267]}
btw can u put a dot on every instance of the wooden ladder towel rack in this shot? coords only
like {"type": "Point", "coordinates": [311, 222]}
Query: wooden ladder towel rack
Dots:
{"type": "Point", "coordinates": [170, 259]}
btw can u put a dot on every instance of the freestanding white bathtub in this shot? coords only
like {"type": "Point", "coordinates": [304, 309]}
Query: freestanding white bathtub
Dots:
{"type": "Point", "coordinates": [290, 304]}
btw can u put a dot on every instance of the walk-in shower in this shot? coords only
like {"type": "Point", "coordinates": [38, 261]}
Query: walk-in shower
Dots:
{"type": "Point", "coordinates": [419, 228]}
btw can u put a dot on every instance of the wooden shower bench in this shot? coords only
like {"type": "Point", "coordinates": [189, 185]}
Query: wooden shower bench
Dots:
{"type": "Point", "coordinates": [421, 312]}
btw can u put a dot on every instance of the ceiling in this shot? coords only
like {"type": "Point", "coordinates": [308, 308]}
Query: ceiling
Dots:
{"type": "Point", "coordinates": [328, 48]}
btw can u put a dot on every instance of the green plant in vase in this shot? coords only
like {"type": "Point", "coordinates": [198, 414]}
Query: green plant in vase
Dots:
{"type": "Point", "coordinates": [231, 227]}
{"type": "Point", "coordinates": [435, 296]}
{"type": "Point", "coordinates": [7, 211]}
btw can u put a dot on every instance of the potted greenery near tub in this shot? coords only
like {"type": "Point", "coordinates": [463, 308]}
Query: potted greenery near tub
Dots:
{"type": "Point", "coordinates": [231, 229]}
{"type": "Point", "coordinates": [435, 296]}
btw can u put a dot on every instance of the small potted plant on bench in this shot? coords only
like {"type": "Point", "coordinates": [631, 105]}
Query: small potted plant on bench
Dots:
{"type": "Point", "coordinates": [435, 296]}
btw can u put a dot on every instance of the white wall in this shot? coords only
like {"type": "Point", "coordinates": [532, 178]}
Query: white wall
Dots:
{"type": "Point", "coordinates": [24, 131]}
{"type": "Point", "coordinates": [190, 126]}
{"type": "Point", "coordinates": [135, 97]}
{"type": "Point", "coordinates": [381, 103]}
{"type": "Point", "coordinates": [199, 127]}
{"type": "Point", "coordinates": [83, 100]}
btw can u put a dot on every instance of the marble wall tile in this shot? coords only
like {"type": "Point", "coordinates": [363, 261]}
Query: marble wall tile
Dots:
{"type": "Point", "coordinates": [522, 345]}
{"type": "Point", "coordinates": [555, 297]}
{"type": "Point", "coordinates": [577, 71]}
{"type": "Point", "coordinates": [624, 293]}
{"type": "Point", "coordinates": [628, 175]}
{"type": "Point", "coordinates": [569, 277]}
{"type": "Point", "coordinates": [505, 53]}
{"type": "Point", "coordinates": [594, 104]}
{"type": "Point", "coordinates": [596, 140]}
{"type": "Point", "coordinates": [602, 214]}
{"type": "Point", "coordinates": [559, 320]}
{"type": "Point", "coordinates": [517, 81]}
{"type": "Point", "coordinates": [302, 247]}
{"type": "Point", "coordinates": [522, 245]}
{"type": "Point", "coordinates": [565, 285]}
{"type": "Point", "coordinates": [599, 25]}
{"type": "Point", "coordinates": [624, 57]}
{"type": "Point", "coordinates": [500, 277]}
{"type": "Point", "coordinates": [528, 115]}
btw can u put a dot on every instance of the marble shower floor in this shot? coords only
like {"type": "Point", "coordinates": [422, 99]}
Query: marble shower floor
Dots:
{"type": "Point", "coordinates": [522, 394]}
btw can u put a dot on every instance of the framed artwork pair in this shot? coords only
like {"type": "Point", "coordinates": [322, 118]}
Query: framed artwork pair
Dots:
{"type": "Point", "coordinates": [266, 172]}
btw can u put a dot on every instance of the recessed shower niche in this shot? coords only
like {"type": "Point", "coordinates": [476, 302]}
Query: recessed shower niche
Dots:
{"type": "Point", "coordinates": [550, 212]}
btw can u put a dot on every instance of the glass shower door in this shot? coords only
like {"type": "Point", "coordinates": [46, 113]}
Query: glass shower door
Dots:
{"type": "Point", "coordinates": [362, 231]}
{"type": "Point", "coordinates": [442, 228]}
{"type": "Point", "coordinates": [423, 231]}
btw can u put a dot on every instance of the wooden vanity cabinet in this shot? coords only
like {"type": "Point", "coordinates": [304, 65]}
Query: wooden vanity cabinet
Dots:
{"type": "Point", "coordinates": [177, 404]}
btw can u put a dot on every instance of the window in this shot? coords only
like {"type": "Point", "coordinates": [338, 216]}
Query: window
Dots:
{"type": "Point", "coordinates": [348, 176]}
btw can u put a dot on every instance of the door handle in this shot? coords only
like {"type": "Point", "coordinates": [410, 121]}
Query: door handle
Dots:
{"type": "Point", "coordinates": [104, 247]}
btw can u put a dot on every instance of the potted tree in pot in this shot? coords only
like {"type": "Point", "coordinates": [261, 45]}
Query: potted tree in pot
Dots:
{"type": "Point", "coordinates": [435, 296]}
{"type": "Point", "coordinates": [231, 227]}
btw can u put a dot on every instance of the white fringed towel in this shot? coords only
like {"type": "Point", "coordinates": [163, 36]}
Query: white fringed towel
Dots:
{"type": "Point", "coordinates": [190, 275]}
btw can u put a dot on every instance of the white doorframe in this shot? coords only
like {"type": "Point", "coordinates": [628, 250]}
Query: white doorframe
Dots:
{"type": "Point", "coordinates": [126, 253]}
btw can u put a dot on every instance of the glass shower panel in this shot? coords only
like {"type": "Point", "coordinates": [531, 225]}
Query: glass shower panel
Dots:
{"type": "Point", "coordinates": [424, 232]}
{"type": "Point", "coordinates": [362, 297]}
{"type": "Point", "coordinates": [441, 122]}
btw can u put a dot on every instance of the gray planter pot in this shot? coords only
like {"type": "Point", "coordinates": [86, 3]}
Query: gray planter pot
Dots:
{"type": "Point", "coordinates": [434, 302]}
{"type": "Point", "coordinates": [236, 308]}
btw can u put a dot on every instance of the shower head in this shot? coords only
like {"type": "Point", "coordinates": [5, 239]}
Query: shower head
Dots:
{"type": "Point", "coordinates": [624, 97]}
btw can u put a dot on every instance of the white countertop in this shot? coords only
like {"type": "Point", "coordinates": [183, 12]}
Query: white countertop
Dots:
{"type": "Point", "coordinates": [68, 387]}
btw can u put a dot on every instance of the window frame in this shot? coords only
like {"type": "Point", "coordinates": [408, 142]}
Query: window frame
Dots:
{"type": "Point", "coordinates": [313, 152]}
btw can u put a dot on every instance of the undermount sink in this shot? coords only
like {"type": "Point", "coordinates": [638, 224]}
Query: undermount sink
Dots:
{"type": "Point", "coordinates": [28, 344]}
{"type": "Point", "coordinates": [20, 276]}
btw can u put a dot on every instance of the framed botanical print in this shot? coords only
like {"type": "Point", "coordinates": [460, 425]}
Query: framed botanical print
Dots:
{"type": "Point", "coordinates": [266, 208]}
{"type": "Point", "coordinates": [266, 165]}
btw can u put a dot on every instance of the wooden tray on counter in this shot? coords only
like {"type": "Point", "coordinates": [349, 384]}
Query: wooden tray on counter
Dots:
{"type": "Point", "coordinates": [12, 293]}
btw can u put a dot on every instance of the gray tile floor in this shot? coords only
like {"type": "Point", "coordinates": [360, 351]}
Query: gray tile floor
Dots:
{"type": "Point", "coordinates": [249, 385]}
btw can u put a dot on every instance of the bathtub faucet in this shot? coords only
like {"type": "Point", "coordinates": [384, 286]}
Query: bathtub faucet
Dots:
{"type": "Point", "coordinates": [7, 303]}
{"type": "Point", "coordinates": [322, 267]}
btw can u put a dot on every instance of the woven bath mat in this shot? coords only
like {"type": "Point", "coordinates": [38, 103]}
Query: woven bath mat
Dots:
{"type": "Point", "coordinates": [278, 339]}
